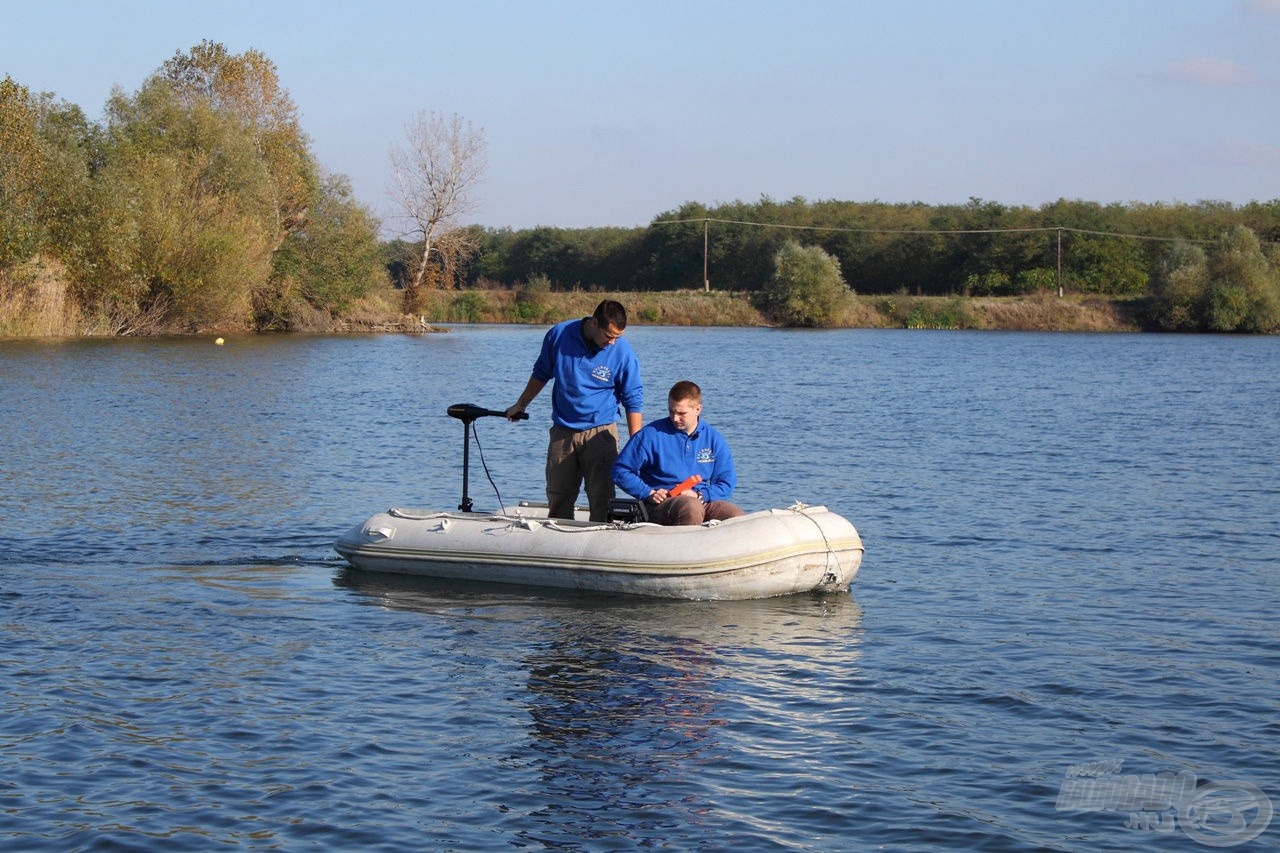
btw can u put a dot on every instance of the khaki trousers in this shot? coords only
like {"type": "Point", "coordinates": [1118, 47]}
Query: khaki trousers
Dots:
{"type": "Point", "coordinates": [575, 456]}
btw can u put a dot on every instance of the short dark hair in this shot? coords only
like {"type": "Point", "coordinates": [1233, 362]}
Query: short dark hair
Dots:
{"type": "Point", "coordinates": [610, 313]}
{"type": "Point", "coordinates": [685, 390]}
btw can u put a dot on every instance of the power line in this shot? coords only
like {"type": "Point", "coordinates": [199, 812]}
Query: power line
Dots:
{"type": "Point", "coordinates": [1041, 229]}
{"type": "Point", "coordinates": [925, 231]}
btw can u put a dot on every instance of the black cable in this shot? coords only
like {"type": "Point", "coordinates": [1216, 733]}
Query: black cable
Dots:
{"type": "Point", "coordinates": [476, 435]}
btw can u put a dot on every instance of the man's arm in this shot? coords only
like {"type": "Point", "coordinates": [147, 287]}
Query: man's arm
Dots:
{"type": "Point", "coordinates": [531, 389]}
{"type": "Point", "coordinates": [724, 477]}
{"type": "Point", "coordinates": [626, 469]}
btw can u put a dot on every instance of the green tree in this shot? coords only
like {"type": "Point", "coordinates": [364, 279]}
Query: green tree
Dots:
{"type": "Point", "coordinates": [1232, 287]}
{"type": "Point", "coordinates": [205, 175]}
{"type": "Point", "coordinates": [743, 247]}
{"type": "Point", "coordinates": [247, 87]}
{"type": "Point", "coordinates": [1110, 265]}
{"type": "Point", "coordinates": [1244, 286]}
{"type": "Point", "coordinates": [329, 264]}
{"type": "Point", "coordinates": [551, 253]}
{"type": "Point", "coordinates": [807, 288]}
{"type": "Point", "coordinates": [1179, 281]}
{"type": "Point", "coordinates": [671, 250]}
{"type": "Point", "coordinates": [194, 207]}
{"type": "Point", "coordinates": [74, 150]}
{"type": "Point", "coordinates": [24, 168]}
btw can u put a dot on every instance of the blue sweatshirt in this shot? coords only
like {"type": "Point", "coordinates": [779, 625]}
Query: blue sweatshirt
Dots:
{"type": "Point", "coordinates": [589, 381]}
{"type": "Point", "coordinates": [660, 456]}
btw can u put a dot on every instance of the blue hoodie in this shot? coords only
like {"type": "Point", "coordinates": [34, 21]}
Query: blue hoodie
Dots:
{"type": "Point", "coordinates": [590, 381]}
{"type": "Point", "coordinates": [660, 456]}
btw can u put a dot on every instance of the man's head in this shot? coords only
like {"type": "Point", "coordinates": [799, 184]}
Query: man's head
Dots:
{"type": "Point", "coordinates": [607, 323]}
{"type": "Point", "coordinates": [684, 405]}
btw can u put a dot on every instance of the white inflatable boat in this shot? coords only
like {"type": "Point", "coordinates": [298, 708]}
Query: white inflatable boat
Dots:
{"type": "Point", "coordinates": [761, 554]}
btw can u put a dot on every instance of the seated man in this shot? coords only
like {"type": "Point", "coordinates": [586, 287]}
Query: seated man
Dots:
{"type": "Point", "coordinates": [666, 452]}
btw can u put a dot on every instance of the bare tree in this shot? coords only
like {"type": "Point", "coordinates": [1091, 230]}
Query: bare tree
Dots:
{"type": "Point", "coordinates": [442, 162]}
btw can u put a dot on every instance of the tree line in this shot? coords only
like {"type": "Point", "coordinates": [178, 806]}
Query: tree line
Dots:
{"type": "Point", "coordinates": [1208, 266]}
{"type": "Point", "coordinates": [197, 203]}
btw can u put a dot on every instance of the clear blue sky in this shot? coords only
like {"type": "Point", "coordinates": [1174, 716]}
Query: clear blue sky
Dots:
{"type": "Point", "coordinates": [611, 112]}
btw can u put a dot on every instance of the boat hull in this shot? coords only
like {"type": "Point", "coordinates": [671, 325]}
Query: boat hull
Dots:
{"type": "Point", "coordinates": [759, 555]}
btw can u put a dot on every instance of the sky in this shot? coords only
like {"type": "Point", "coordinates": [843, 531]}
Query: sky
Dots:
{"type": "Point", "coordinates": [614, 112]}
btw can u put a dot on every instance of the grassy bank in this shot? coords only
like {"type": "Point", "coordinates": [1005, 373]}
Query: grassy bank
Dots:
{"type": "Point", "coordinates": [381, 312]}
{"type": "Point", "coordinates": [37, 305]}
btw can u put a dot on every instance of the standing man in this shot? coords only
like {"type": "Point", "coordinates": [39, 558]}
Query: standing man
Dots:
{"type": "Point", "coordinates": [667, 452]}
{"type": "Point", "coordinates": [594, 372]}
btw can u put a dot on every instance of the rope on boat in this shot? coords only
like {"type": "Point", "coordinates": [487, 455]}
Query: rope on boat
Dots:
{"type": "Point", "coordinates": [522, 521]}
{"type": "Point", "coordinates": [397, 512]}
{"type": "Point", "coordinates": [526, 523]}
{"type": "Point", "coordinates": [554, 525]}
{"type": "Point", "coordinates": [830, 577]}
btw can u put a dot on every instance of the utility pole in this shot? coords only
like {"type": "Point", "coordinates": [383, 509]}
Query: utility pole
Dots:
{"type": "Point", "coordinates": [706, 239]}
{"type": "Point", "coordinates": [1059, 263]}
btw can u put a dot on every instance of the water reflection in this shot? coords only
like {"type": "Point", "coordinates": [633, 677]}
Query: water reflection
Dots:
{"type": "Point", "coordinates": [629, 701]}
{"type": "Point", "coordinates": [620, 720]}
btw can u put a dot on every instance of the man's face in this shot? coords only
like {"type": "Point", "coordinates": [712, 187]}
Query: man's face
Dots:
{"type": "Point", "coordinates": [603, 336]}
{"type": "Point", "coordinates": [684, 414]}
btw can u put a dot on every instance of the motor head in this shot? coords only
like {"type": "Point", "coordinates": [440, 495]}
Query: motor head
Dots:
{"type": "Point", "coordinates": [469, 412]}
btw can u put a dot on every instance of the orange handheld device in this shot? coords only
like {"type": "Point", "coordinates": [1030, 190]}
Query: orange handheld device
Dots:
{"type": "Point", "coordinates": [685, 486]}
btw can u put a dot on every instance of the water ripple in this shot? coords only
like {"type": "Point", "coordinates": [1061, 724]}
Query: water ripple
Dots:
{"type": "Point", "coordinates": [1072, 555]}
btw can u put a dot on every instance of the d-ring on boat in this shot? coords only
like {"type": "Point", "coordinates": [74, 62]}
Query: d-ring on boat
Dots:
{"type": "Point", "coordinates": [758, 555]}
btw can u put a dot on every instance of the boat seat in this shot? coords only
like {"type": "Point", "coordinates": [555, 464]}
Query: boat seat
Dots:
{"type": "Point", "coordinates": [627, 510]}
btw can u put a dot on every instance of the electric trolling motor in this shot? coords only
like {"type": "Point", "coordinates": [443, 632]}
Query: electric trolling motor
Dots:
{"type": "Point", "coordinates": [468, 413]}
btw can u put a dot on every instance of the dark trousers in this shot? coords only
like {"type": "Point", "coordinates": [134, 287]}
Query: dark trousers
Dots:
{"type": "Point", "coordinates": [688, 508]}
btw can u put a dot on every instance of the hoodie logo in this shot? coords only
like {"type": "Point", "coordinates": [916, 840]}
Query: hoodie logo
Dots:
{"type": "Point", "coordinates": [705, 456]}
{"type": "Point", "coordinates": [602, 373]}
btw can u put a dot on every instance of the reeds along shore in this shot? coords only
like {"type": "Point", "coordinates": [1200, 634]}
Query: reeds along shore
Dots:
{"type": "Point", "coordinates": [1041, 312]}
{"type": "Point", "coordinates": [44, 313]}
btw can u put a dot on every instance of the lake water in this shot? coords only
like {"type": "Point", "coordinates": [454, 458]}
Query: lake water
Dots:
{"type": "Point", "coordinates": [1069, 595]}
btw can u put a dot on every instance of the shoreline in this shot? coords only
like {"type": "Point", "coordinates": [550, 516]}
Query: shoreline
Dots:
{"type": "Point", "coordinates": [1039, 313]}
{"type": "Point", "coordinates": [383, 311]}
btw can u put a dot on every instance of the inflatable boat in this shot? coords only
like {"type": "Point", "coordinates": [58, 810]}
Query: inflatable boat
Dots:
{"type": "Point", "coordinates": [761, 554]}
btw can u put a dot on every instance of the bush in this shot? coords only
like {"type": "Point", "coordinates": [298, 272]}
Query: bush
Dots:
{"type": "Point", "coordinates": [1244, 288]}
{"type": "Point", "coordinates": [1233, 287]}
{"type": "Point", "coordinates": [468, 307]}
{"type": "Point", "coordinates": [531, 299]}
{"type": "Point", "coordinates": [1036, 280]}
{"type": "Point", "coordinates": [988, 284]}
{"type": "Point", "coordinates": [937, 313]}
{"type": "Point", "coordinates": [335, 257]}
{"type": "Point", "coordinates": [1178, 284]}
{"type": "Point", "coordinates": [1228, 307]}
{"type": "Point", "coordinates": [807, 288]}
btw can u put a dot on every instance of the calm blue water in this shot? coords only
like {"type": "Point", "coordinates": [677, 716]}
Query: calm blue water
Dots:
{"type": "Point", "coordinates": [1073, 556]}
